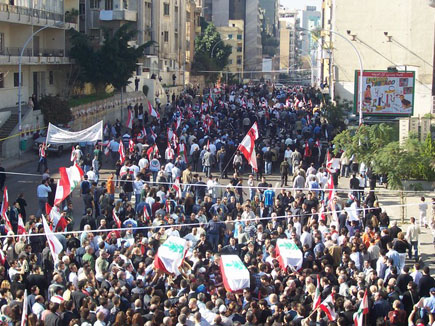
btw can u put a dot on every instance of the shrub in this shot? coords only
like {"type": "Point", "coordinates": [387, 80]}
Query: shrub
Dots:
{"type": "Point", "coordinates": [55, 110]}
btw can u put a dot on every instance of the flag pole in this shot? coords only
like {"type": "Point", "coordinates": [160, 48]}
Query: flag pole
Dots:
{"type": "Point", "coordinates": [229, 161]}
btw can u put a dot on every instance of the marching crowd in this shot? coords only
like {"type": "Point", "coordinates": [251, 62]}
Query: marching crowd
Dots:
{"type": "Point", "coordinates": [179, 172]}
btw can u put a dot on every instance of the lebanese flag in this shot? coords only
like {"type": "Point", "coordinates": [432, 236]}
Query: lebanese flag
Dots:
{"type": "Point", "coordinates": [47, 208]}
{"type": "Point", "coordinates": [2, 257]}
{"type": "Point", "coordinates": [116, 219]}
{"type": "Point", "coordinates": [131, 146]}
{"type": "Point", "coordinates": [121, 152]}
{"type": "Point", "coordinates": [153, 151]}
{"type": "Point", "coordinates": [57, 299]}
{"type": "Point", "coordinates": [146, 214]}
{"type": "Point", "coordinates": [288, 254]}
{"type": "Point", "coordinates": [170, 255]}
{"type": "Point", "coordinates": [53, 242]}
{"type": "Point", "coordinates": [181, 151]}
{"type": "Point", "coordinates": [129, 123]}
{"type": "Point", "coordinates": [363, 309]}
{"type": "Point", "coordinates": [170, 134]}
{"type": "Point", "coordinates": [5, 204]}
{"type": "Point", "coordinates": [177, 187]}
{"type": "Point", "coordinates": [73, 156]}
{"type": "Point", "coordinates": [327, 307]}
{"type": "Point", "coordinates": [25, 306]}
{"type": "Point", "coordinates": [331, 188]}
{"type": "Point", "coordinates": [235, 275]}
{"type": "Point", "coordinates": [168, 206]}
{"type": "Point", "coordinates": [317, 297]}
{"type": "Point", "coordinates": [247, 146]}
{"type": "Point", "coordinates": [169, 153]}
{"type": "Point", "coordinates": [178, 123]}
{"type": "Point", "coordinates": [55, 216]}
{"type": "Point", "coordinates": [210, 102]}
{"type": "Point", "coordinates": [69, 180]}
{"type": "Point", "coordinates": [21, 227]}
{"type": "Point", "coordinates": [152, 112]}
{"type": "Point", "coordinates": [107, 149]}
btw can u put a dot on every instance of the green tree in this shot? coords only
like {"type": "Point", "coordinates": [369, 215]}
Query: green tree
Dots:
{"type": "Point", "coordinates": [55, 110]}
{"type": "Point", "coordinates": [203, 60]}
{"type": "Point", "coordinates": [111, 64]}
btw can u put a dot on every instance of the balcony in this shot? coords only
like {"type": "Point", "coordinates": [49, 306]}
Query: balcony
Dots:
{"type": "Point", "coordinates": [10, 55]}
{"type": "Point", "coordinates": [24, 15]}
{"type": "Point", "coordinates": [124, 15]}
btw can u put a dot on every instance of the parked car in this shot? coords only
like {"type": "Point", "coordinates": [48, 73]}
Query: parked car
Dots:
{"type": "Point", "coordinates": [53, 148]}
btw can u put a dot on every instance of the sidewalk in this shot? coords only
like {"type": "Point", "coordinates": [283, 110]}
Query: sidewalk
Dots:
{"type": "Point", "coordinates": [11, 165]}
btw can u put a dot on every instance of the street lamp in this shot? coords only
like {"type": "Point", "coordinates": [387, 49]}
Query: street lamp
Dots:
{"type": "Point", "coordinates": [212, 49]}
{"type": "Point", "coordinates": [58, 24]}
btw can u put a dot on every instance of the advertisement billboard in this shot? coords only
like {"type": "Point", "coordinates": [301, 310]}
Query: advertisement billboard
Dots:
{"type": "Point", "coordinates": [386, 93]}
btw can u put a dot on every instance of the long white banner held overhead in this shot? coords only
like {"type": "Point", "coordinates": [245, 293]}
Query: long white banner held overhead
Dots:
{"type": "Point", "coordinates": [56, 135]}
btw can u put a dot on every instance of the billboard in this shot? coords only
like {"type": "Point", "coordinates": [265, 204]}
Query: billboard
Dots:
{"type": "Point", "coordinates": [386, 93]}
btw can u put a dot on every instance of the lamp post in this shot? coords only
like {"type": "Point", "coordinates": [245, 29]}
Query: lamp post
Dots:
{"type": "Point", "coordinates": [20, 58]}
{"type": "Point", "coordinates": [360, 90]}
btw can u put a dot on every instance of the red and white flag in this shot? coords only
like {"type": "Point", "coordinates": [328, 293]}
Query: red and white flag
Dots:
{"type": "Point", "coordinates": [152, 112]}
{"type": "Point", "coordinates": [53, 242]}
{"type": "Point", "coordinates": [2, 257]}
{"type": "Point", "coordinates": [182, 151]}
{"type": "Point", "coordinates": [210, 102]}
{"type": "Point", "coordinates": [178, 123]}
{"type": "Point", "coordinates": [73, 155]}
{"type": "Point", "coordinates": [363, 309]}
{"type": "Point", "coordinates": [146, 214]}
{"type": "Point", "coordinates": [107, 149]}
{"type": "Point", "coordinates": [317, 297]}
{"type": "Point", "coordinates": [177, 187]}
{"type": "Point", "coordinates": [235, 275]}
{"type": "Point", "coordinates": [69, 180]}
{"type": "Point", "coordinates": [5, 204]}
{"type": "Point", "coordinates": [331, 188]}
{"type": "Point", "coordinates": [307, 150]}
{"type": "Point", "coordinates": [169, 153]}
{"type": "Point", "coordinates": [129, 123]}
{"type": "Point", "coordinates": [131, 146]}
{"type": "Point", "coordinates": [21, 227]}
{"type": "Point", "coordinates": [116, 219]}
{"type": "Point", "coordinates": [170, 255]}
{"type": "Point", "coordinates": [327, 307]}
{"type": "Point", "coordinates": [25, 307]}
{"type": "Point", "coordinates": [247, 146]}
{"type": "Point", "coordinates": [121, 151]}
{"type": "Point", "coordinates": [153, 152]}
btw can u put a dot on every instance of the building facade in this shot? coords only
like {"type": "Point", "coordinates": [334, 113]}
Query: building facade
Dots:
{"type": "Point", "coordinates": [399, 36]}
{"type": "Point", "coordinates": [44, 62]}
{"type": "Point", "coordinates": [233, 36]}
{"type": "Point", "coordinates": [288, 22]}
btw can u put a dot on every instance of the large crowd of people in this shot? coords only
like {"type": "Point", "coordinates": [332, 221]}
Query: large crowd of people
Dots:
{"type": "Point", "coordinates": [181, 174]}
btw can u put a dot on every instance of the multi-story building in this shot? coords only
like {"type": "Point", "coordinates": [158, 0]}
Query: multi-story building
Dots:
{"type": "Point", "coordinates": [270, 16]}
{"type": "Point", "coordinates": [171, 24]}
{"type": "Point", "coordinates": [288, 21]}
{"type": "Point", "coordinates": [233, 36]}
{"type": "Point", "coordinates": [222, 11]}
{"type": "Point", "coordinates": [44, 60]}
{"type": "Point", "coordinates": [399, 36]}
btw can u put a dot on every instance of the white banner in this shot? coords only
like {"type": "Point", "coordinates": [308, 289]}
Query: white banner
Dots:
{"type": "Point", "coordinates": [56, 135]}
{"type": "Point", "coordinates": [235, 275]}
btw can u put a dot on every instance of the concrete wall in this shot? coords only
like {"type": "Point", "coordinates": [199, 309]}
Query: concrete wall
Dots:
{"type": "Point", "coordinates": [411, 27]}
{"type": "Point", "coordinates": [4, 116]}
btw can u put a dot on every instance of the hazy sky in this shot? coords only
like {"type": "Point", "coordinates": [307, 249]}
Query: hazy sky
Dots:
{"type": "Point", "coordinates": [300, 4]}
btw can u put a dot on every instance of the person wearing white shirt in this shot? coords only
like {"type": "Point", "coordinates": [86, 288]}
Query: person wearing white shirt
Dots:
{"type": "Point", "coordinates": [135, 170]}
{"type": "Point", "coordinates": [306, 237]}
{"type": "Point", "coordinates": [416, 274]}
{"type": "Point", "coordinates": [168, 170]}
{"type": "Point", "coordinates": [412, 237]}
{"type": "Point", "coordinates": [193, 147]}
{"type": "Point", "coordinates": [143, 163]}
{"type": "Point", "coordinates": [176, 172]}
{"type": "Point", "coordinates": [422, 207]}
{"type": "Point", "coordinates": [212, 148]}
{"type": "Point", "coordinates": [92, 176]}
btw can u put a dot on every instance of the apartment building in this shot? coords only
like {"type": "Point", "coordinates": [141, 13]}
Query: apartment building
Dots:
{"type": "Point", "coordinates": [42, 26]}
{"type": "Point", "coordinates": [288, 22]}
{"type": "Point", "coordinates": [233, 35]}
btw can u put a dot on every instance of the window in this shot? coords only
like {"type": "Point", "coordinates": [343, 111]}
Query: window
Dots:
{"type": "Point", "coordinates": [2, 43]}
{"type": "Point", "coordinates": [230, 61]}
{"type": "Point", "coordinates": [2, 80]}
{"type": "Point", "coordinates": [239, 59]}
{"type": "Point", "coordinates": [166, 36]}
{"type": "Point", "coordinates": [239, 49]}
{"type": "Point", "coordinates": [239, 36]}
{"type": "Point", "coordinates": [51, 77]}
{"type": "Point", "coordinates": [16, 79]}
{"type": "Point", "coordinates": [166, 9]}
{"type": "Point", "coordinates": [108, 4]}
{"type": "Point", "coordinates": [94, 4]}
{"type": "Point", "coordinates": [230, 36]}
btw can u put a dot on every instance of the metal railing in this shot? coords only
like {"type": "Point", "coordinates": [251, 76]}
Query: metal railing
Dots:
{"type": "Point", "coordinates": [41, 52]}
{"type": "Point", "coordinates": [37, 13]}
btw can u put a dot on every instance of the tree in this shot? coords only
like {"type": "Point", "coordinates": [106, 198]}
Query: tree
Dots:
{"type": "Point", "coordinates": [203, 60]}
{"type": "Point", "coordinates": [55, 110]}
{"type": "Point", "coordinates": [378, 148]}
{"type": "Point", "coordinates": [111, 64]}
